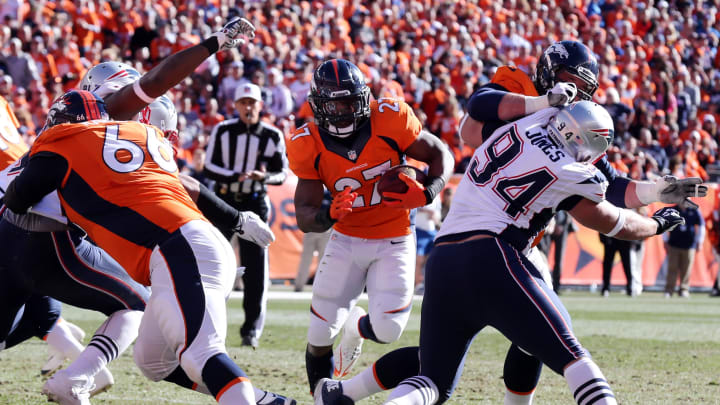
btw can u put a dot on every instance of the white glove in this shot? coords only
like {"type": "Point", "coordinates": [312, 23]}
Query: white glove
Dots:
{"type": "Point", "coordinates": [231, 35]}
{"type": "Point", "coordinates": [252, 228]}
{"type": "Point", "coordinates": [671, 190]}
{"type": "Point", "coordinates": [562, 94]}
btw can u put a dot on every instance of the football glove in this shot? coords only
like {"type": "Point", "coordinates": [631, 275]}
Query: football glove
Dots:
{"type": "Point", "coordinates": [414, 197]}
{"type": "Point", "coordinates": [671, 190]}
{"type": "Point", "coordinates": [561, 94]}
{"type": "Point", "coordinates": [252, 228]}
{"type": "Point", "coordinates": [667, 219]}
{"type": "Point", "coordinates": [231, 35]}
{"type": "Point", "coordinates": [342, 204]}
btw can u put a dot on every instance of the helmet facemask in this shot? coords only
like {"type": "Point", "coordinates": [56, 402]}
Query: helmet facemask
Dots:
{"type": "Point", "coordinates": [339, 98]}
{"type": "Point", "coordinates": [567, 61]}
{"type": "Point", "coordinates": [585, 130]}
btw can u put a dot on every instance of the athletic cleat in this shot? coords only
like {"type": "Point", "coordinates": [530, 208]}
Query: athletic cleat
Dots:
{"type": "Point", "coordinates": [350, 347]}
{"type": "Point", "coordinates": [251, 341]}
{"type": "Point", "coordinates": [54, 362]}
{"type": "Point", "coordinates": [330, 392]}
{"type": "Point", "coordinates": [67, 390]}
{"type": "Point", "coordinates": [275, 399]}
{"type": "Point", "coordinates": [103, 381]}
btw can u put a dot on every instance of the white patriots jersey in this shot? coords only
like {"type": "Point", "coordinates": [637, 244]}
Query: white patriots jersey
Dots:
{"type": "Point", "coordinates": [48, 207]}
{"type": "Point", "coordinates": [515, 181]}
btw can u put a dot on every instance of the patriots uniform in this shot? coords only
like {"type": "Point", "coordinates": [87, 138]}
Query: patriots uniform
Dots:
{"type": "Point", "coordinates": [373, 245]}
{"type": "Point", "coordinates": [520, 177]}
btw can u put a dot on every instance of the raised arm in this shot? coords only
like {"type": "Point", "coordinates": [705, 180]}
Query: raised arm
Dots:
{"type": "Point", "coordinates": [131, 99]}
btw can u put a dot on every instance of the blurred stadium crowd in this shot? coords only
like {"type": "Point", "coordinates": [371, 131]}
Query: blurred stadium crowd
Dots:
{"type": "Point", "coordinates": [659, 63]}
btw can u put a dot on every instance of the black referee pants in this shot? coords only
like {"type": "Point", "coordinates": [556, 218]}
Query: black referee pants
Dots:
{"type": "Point", "coordinates": [254, 258]}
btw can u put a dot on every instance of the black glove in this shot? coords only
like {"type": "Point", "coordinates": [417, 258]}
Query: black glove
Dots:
{"type": "Point", "coordinates": [667, 219]}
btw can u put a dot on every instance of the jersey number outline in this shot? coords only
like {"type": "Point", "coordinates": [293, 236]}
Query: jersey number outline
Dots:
{"type": "Point", "coordinates": [161, 152]}
{"type": "Point", "coordinates": [518, 192]}
{"type": "Point", "coordinates": [354, 184]}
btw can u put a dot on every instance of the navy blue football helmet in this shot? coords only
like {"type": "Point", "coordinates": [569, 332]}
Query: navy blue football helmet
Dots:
{"type": "Point", "coordinates": [573, 58]}
{"type": "Point", "coordinates": [339, 97]}
{"type": "Point", "coordinates": [76, 106]}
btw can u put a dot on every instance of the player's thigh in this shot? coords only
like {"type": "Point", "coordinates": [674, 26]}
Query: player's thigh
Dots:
{"type": "Point", "coordinates": [152, 353]}
{"type": "Point", "coordinates": [390, 281]}
{"type": "Point", "coordinates": [339, 281]}
{"type": "Point", "coordinates": [528, 312]}
{"type": "Point", "coordinates": [450, 314]}
{"type": "Point", "coordinates": [85, 276]}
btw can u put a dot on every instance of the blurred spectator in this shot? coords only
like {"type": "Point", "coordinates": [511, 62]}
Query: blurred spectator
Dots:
{"type": "Point", "coordinates": [231, 81]}
{"type": "Point", "coordinates": [144, 35]}
{"type": "Point", "coordinates": [681, 244]}
{"type": "Point", "coordinates": [282, 102]}
{"type": "Point", "coordinates": [20, 65]}
{"type": "Point", "coordinates": [623, 247]}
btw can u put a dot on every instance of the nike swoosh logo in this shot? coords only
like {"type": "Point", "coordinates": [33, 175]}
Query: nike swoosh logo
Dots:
{"type": "Point", "coordinates": [393, 242]}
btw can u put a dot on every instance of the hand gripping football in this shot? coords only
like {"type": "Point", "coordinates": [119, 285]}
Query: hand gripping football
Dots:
{"type": "Point", "coordinates": [390, 182]}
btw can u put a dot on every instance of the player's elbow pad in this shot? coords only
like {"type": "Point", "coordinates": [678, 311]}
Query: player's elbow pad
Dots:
{"type": "Point", "coordinates": [483, 105]}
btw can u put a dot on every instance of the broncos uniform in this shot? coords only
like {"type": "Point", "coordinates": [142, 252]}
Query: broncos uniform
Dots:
{"type": "Point", "coordinates": [63, 265]}
{"type": "Point", "coordinates": [118, 182]}
{"type": "Point", "coordinates": [372, 245]}
{"type": "Point", "coordinates": [519, 177]}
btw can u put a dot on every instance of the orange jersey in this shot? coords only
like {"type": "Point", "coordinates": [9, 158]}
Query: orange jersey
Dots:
{"type": "Point", "coordinates": [121, 187]}
{"type": "Point", "coordinates": [514, 80]}
{"type": "Point", "coordinates": [12, 146]}
{"type": "Point", "coordinates": [378, 145]}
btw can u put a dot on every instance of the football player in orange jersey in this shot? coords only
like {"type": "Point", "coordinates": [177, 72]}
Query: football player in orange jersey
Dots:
{"type": "Point", "coordinates": [566, 69]}
{"type": "Point", "coordinates": [350, 144]}
{"type": "Point", "coordinates": [118, 181]}
{"type": "Point", "coordinates": [12, 146]}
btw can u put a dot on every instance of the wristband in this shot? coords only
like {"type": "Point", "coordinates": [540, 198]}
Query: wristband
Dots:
{"type": "Point", "coordinates": [140, 93]}
{"type": "Point", "coordinates": [324, 219]}
{"type": "Point", "coordinates": [618, 225]}
{"type": "Point", "coordinates": [433, 187]}
{"type": "Point", "coordinates": [535, 104]}
{"type": "Point", "coordinates": [212, 44]}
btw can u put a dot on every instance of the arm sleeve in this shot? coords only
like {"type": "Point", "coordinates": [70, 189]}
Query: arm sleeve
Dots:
{"type": "Point", "coordinates": [483, 104]}
{"type": "Point", "coordinates": [44, 173]}
{"type": "Point", "coordinates": [617, 184]}
{"type": "Point", "coordinates": [217, 211]}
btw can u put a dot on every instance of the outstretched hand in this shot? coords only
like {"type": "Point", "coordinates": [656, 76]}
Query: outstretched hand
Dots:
{"type": "Point", "coordinates": [672, 190]}
{"type": "Point", "coordinates": [234, 33]}
{"type": "Point", "coordinates": [252, 228]}
{"type": "Point", "coordinates": [667, 219]}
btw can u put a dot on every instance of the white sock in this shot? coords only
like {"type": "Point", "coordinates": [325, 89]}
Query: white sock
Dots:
{"type": "Point", "coordinates": [588, 384]}
{"type": "Point", "coordinates": [238, 394]}
{"type": "Point", "coordinates": [61, 339]}
{"type": "Point", "coordinates": [362, 385]}
{"type": "Point", "coordinates": [111, 339]}
{"type": "Point", "coordinates": [512, 398]}
{"type": "Point", "coordinates": [418, 390]}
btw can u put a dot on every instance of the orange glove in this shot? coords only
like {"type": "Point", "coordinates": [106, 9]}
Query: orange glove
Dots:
{"type": "Point", "coordinates": [414, 197]}
{"type": "Point", "coordinates": [342, 204]}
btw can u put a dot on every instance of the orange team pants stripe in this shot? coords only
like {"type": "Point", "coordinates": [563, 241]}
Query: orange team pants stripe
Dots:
{"type": "Point", "coordinates": [236, 380]}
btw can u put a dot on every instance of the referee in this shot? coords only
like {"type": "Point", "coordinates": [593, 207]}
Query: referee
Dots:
{"type": "Point", "coordinates": [244, 155]}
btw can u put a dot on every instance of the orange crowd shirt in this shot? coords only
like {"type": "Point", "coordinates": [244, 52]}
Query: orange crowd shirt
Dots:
{"type": "Point", "coordinates": [12, 146]}
{"type": "Point", "coordinates": [377, 146]}
{"type": "Point", "coordinates": [121, 187]}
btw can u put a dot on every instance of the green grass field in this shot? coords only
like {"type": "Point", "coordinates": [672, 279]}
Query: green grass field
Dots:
{"type": "Point", "coordinates": [652, 350]}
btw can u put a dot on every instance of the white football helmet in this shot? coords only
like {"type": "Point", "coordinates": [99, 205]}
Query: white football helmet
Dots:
{"type": "Point", "coordinates": [107, 77]}
{"type": "Point", "coordinates": [162, 114]}
{"type": "Point", "coordinates": [584, 128]}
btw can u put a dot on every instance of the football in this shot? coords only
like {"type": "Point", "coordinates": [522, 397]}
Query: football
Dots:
{"type": "Point", "coordinates": [390, 182]}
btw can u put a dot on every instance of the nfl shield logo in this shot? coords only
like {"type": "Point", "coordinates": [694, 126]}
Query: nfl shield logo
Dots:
{"type": "Point", "coordinates": [352, 155]}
